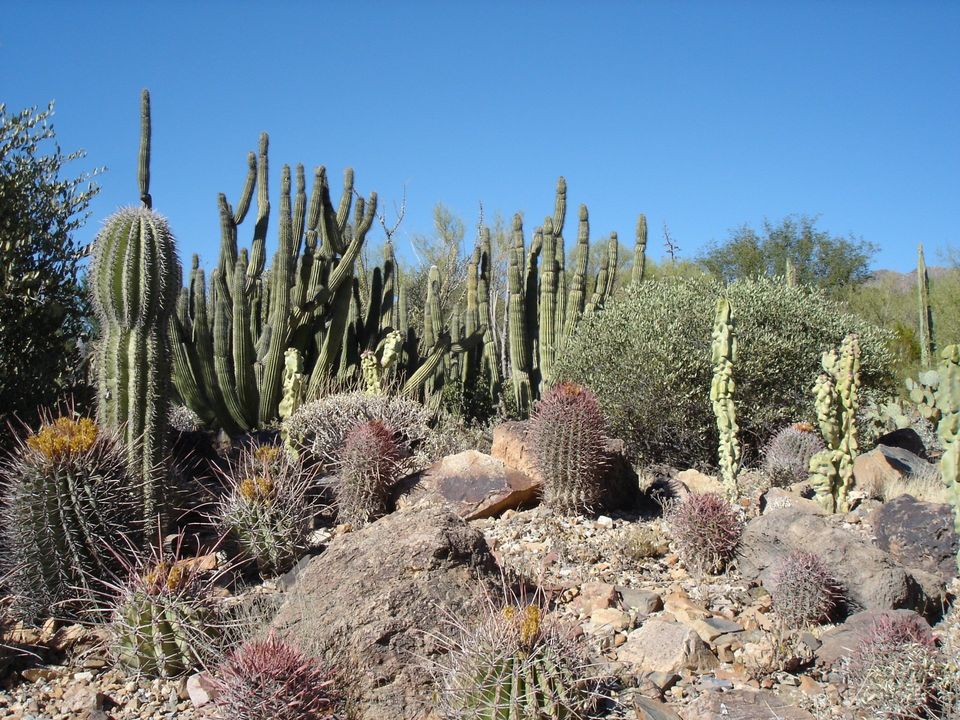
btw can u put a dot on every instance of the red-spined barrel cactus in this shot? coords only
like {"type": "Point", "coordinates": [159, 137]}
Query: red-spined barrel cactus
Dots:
{"type": "Point", "coordinates": [567, 437]}
{"type": "Point", "coordinates": [367, 470]}
{"type": "Point", "coordinates": [270, 679]}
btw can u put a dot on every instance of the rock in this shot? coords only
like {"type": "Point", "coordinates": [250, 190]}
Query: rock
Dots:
{"type": "Point", "coordinates": [510, 445]}
{"type": "Point", "coordinates": [743, 705]}
{"type": "Point", "coordinates": [699, 483]}
{"type": "Point", "coordinates": [918, 535]}
{"type": "Point", "coordinates": [882, 465]}
{"type": "Point", "coordinates": [683, 608]}
{"type": "Point", "coordinates": [650, 709]}
{"type": "Point", "coordinates": [667, 647]}
{"type": "Point", "coordinates": [200, 689]}
{"type": "Point", "coordinates": [372, 603]}
{"type": "Point", "coordinates": [595, 595]}
{"type": "Point", "coordinates": [610, 618]}
{"type": "Point", "coordinates": [906, 439]}
{"type": "Point", "coordinates": [709, 629]}
{"type": "Point", "coordinates": [842, 641]}
{"type": "Point", "coordinates": [645, 602]}
{"type": "Point", "coordinates": [779, 499]}
{"type": "Point", "coordinates": [870, 577]}
{"type": "Point", "coordinates": [473, 484]}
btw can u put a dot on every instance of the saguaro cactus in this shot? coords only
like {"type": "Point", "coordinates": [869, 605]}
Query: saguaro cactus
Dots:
{"type": "Point", "coordinates": [640, 253]}
{"type": "Point", "coordinates": [721, 394]}
{"type": "Point", "coordinates": [923, 302]}
{"type": "Point", "coordinates": [134, 280]}
{"type": "Point", "coordinates": [836, 401]}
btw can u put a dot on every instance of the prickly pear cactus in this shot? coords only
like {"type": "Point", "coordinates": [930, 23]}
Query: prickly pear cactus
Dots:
{"type": "Point", "coordinates": [923, 394]}
{"type": "Point", "coordinates": [948, 400]}
{"type": "Point", "coordinates": [721, 395]}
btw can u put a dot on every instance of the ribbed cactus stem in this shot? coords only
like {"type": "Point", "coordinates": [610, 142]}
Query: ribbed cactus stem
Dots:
{"type": "Point", "coordinates": [143, 164]}
{"type": "Point", "coordinates": [923, 302]}
{"type": "Point", "coordinates": [135, 279]}
{"type": "Point", "coordinates": [791, 273]}
{"type": "Point", "coordinates": [640, 250]}
{"type": "Point", "coordinates": [548, 301]}
{"type": "Point", "coordinates": [724, 351]}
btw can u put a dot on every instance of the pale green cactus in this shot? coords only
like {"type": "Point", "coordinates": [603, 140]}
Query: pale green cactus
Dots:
{"type": "Point", "coordinates": [948, 400]}
{"type": "Point", "coordinates": [721, 394]}
{"type": "Point", "coordinates": [923, 394]}
{"type": "Point", "coordinates": [294, 383]}
{"type": "Point", "coordinates": [831, 470]}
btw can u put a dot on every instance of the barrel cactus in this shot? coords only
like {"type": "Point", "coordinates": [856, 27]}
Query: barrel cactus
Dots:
{"type": "Point", "coordinates": [786, 458]}
{"type": "Point", "coordinates": [567, 437]}
{"type": "Point", "coordinates": [68, 501]}
{"type": "Point", "coordinates": [267, 508]}
{"type": "Point", "coordinates": [164, 623]}
{"type": "Point", "coordinates": [515, 662]}
{"type": "Point", "coordinates": [367, 470]}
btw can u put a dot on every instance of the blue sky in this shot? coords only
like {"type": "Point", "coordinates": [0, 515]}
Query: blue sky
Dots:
{"type": "Point", "coordinates": [704, 116]}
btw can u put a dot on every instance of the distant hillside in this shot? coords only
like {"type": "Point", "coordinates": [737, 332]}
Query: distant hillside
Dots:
{"type": "Point", "coordinates": [905, 281]}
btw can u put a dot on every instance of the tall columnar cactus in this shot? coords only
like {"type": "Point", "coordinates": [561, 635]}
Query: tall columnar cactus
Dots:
{"type": "Point", "coordinates": [837, 403]}
{"type": "Point", "coordinates": [924, 313]}
{"type": "Point", "coordinates": [791, 273]}
{"type": "Point", "coordinates": [68, 502]}
{"type": "Point", "coordinates": [722, 393]}
{"type": "Point", "coordinates": [567, 437]}
{"type": "Point", "coordinates": [640, 253]}
{"type": "Point", "coordinates": [134, 281]}
{"type": "Point", "coordinates": [948, 429]}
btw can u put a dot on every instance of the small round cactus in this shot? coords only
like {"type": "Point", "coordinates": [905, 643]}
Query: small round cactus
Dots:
{"type": "Point", "coordinates": [270, 679]}
{"type": "Point", "coordinates": [68, 500]}
{"type": "Point", "coordinates": [804, 591]}
{"type": "Point", "coordinates": [566, 432]}
{"type": "Point", "coordinates": [367, 470]}
{"type": "Point", "coordinates": [513, 662]}
{"type": "Point", "coordinates": [786, 459]}
{"type": "Point", "coordinates": [706, 530]}
{"type": "Point", "coordinates": [268, 508]}
{"type": "Point", "coordinates": [163, 623]}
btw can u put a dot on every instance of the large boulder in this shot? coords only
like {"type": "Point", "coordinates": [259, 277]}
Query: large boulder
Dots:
{"type": "Point", "coordinates": [871, 578]}
{"type": "Point", "coordinates": [906, 439]}
{"type": "Point", "coordinates": [473, 484]}
{"type": "Point", "coordinates": [843, 640]}
{"type": "Point", "coordinates": [662, 646]}
{"type": "Point", "coordinates": [918, 535]}
{"type": "Point", "coordinates": [371, 604]}
{"type": "Point", "coordinates": [885, 465]}
{"type": "Point", "coordinates": [511, 445]}
{"type": "Point", "coordinates": [743, 705]}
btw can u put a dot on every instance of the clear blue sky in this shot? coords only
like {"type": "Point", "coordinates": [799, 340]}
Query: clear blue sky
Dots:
{"type": "Point", "coordinates": [703, 115]}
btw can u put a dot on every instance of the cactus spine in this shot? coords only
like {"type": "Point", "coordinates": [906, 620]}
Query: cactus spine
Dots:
{"type": "Point", "coordinates": [923, 301]}
{"type": "Point", "coordinates": [837, 402]}
{"type": "Point", "coordinates": [722, 392]}
{"type": "Point", "coordinates": [134, 280]}
{"type": "Point", "coordinates": [948, 429]}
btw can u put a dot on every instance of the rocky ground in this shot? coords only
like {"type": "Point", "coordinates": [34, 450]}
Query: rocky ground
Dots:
{"type": "Point", "coordinates": [670, 644]}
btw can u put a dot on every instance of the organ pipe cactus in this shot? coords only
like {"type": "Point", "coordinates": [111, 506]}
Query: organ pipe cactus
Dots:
{"type": "Point", "coordinates": [722, 393]}
{"type": "Point", "coordinates": [948, 429]}
{"type": "Point", "coordinates": [640, 254]}
{"type": "Point", "coordinates": [134, 281]}
{"type": "Point", "coordinates": [831, 470]}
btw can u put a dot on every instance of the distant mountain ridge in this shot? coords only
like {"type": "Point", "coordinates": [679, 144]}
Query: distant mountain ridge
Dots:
{"type": "Point", "coordinates": [904, 281]}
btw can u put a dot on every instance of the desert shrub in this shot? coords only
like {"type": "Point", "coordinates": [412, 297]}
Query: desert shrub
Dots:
{"type": "Point", "coordinates": [897, 672]}
{"type": "Point", "coordinates": [647, 358]}
{"type": "Point", "coordinates": [642, 541]}
{"type": "Point", "coordinates": [786, 458]}
{"type": "Point", "coordinates": [804, 591]}
{"type": "Point", "coordinates": [705, 530]}
{"type": "Point", "coordinates": [270, 679]}
{"type": "Point", "coordinates": [317, 430]}
{"type": "Point", "coordinates": [512, 661]}
{"type": "Point", "coordinates": [268, 508]}
{"type": "Point", "coordinates": [566, 435]}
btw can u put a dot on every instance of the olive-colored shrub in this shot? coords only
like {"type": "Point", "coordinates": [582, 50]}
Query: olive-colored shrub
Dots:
{"type": "Point", "coordinates": [647, 358]}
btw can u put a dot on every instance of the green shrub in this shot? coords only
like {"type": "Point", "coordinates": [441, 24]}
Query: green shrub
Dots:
{"type": "Point", "coordinates": [647, 357]}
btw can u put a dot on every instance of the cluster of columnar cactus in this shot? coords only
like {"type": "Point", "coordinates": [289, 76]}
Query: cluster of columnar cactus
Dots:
{"type": "Point", "coordinates": [831, 470]}
{"type": "Point", "coordinates": [134, 277]}
{"type": "Point", "coordinates": [721, 394]}
{"type": "Point", "coordinates": [68, 502]}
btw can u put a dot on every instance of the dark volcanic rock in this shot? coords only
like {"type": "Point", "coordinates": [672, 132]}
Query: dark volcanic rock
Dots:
{"type": "Point", "coordinates": [918, 535]}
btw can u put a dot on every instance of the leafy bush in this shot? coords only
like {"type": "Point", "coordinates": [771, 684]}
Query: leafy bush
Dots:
{"type": "Point", "coordinates": [647, 358]}
{"type": "Point", "coordinates": [804, 591]}
{"type": "Point", "coordinates": [705, 530]}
